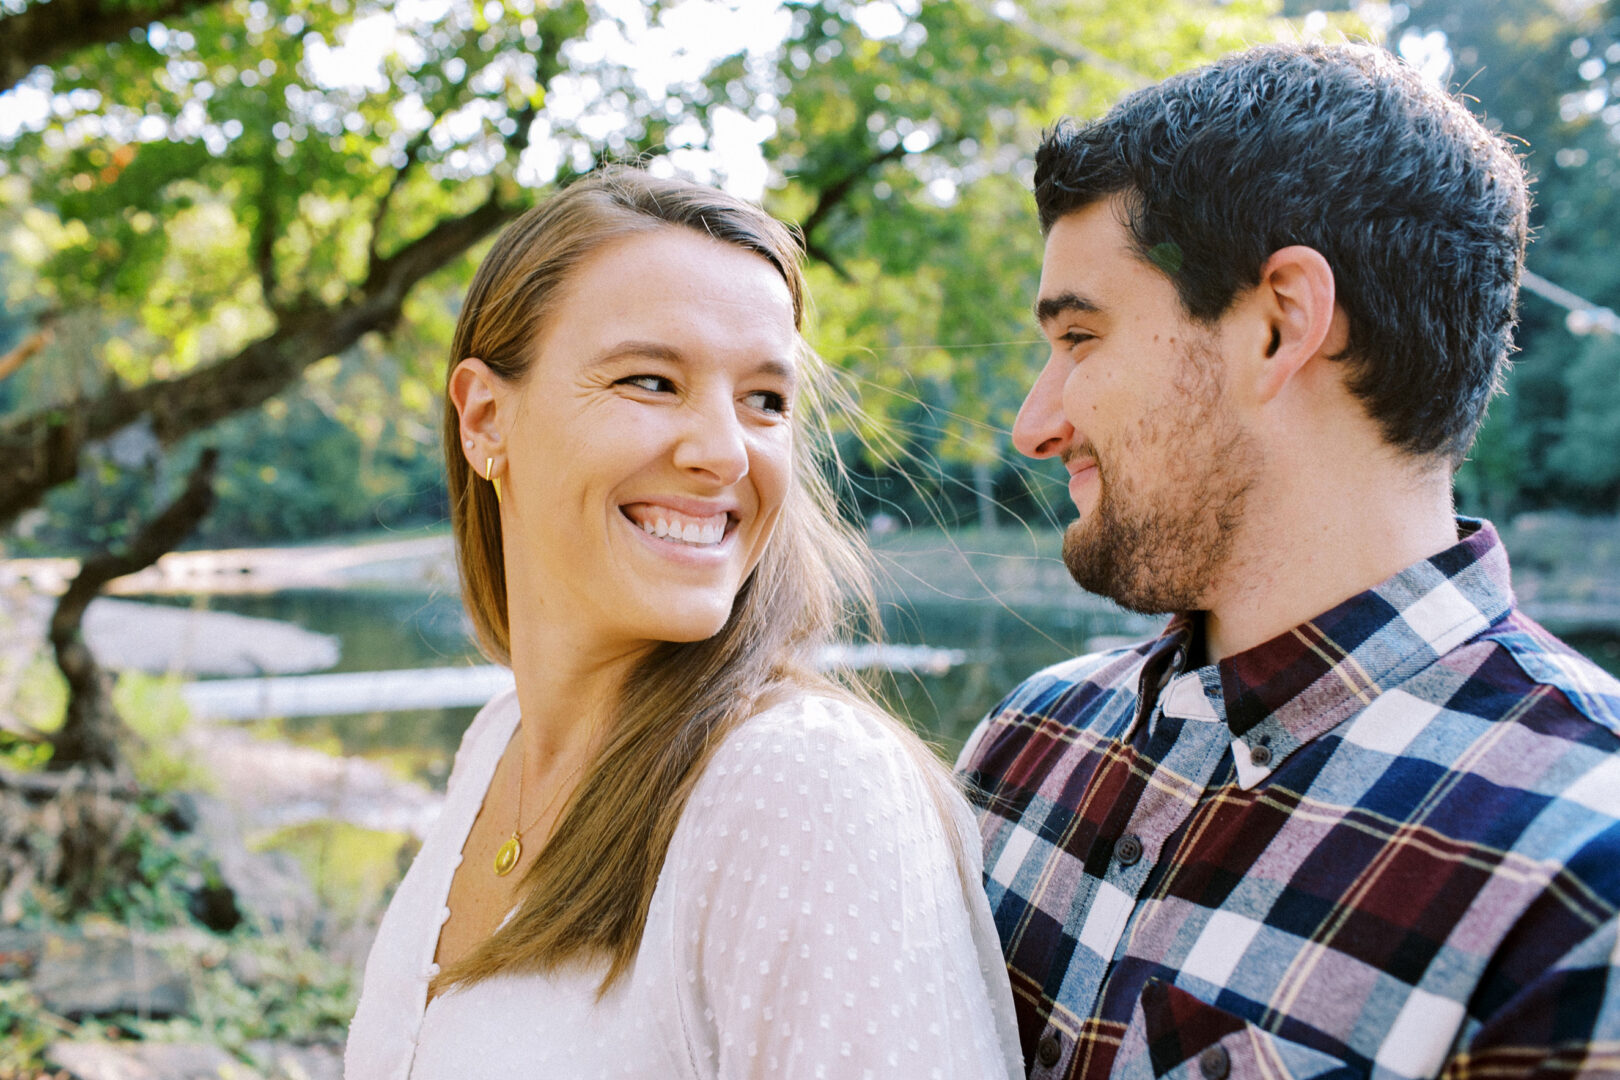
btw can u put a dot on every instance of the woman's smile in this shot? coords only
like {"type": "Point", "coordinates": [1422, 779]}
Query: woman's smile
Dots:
{"type": "Point", "coordinates": [685, 528]}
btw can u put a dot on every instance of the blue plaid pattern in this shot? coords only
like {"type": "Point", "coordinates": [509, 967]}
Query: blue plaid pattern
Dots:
{"type": "Point", "coordinates": [1384, 844]}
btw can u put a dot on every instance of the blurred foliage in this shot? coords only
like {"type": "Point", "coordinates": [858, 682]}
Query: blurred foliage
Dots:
{"type": "Point", "coordinates": [1545, 73]}
{"type": "Point", "coordinates": [247, 987]}
{"type": "Point", "coordinates": [194, 187]}
{"type": "Point", "coordinates": [151, 704]}
{"type": "Point", "coordinates": [353, 869]}
{"type": "Point", "coordinates": [25, 1030]}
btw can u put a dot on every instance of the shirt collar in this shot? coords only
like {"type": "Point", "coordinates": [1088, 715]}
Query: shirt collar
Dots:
{"type": "Point", "coordinates": [1284, 692]}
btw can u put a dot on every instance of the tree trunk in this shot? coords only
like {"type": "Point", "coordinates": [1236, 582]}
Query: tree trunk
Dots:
{"type": "Point", "coordinates": [92, 734]}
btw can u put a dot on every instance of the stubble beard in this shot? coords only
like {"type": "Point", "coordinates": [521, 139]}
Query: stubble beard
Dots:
{"type": "Point", "coordinates": [1155, 548]}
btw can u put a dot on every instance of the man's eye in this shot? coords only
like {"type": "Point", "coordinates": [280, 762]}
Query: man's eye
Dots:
{"type": "Point", "coordinates": [656, 384]}
{"type": "Point", "coordinates": [1076, 337]}
{"type": "Point", "coordinates": [768, 401]}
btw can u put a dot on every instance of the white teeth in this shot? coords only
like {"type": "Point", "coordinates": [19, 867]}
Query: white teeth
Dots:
{"type": "Point", "coordinates": [704, 533]}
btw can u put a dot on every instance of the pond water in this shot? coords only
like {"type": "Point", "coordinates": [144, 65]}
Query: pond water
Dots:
{"type": "Point", "coordinates": [382, 631]}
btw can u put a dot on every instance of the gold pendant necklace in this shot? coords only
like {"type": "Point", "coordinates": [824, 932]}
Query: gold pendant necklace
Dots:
{"type": "Point", "coordinates": [507, 856]}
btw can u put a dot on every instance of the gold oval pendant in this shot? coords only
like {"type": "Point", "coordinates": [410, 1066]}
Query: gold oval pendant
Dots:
{"type": "Point", "coordinates": [508, 856]}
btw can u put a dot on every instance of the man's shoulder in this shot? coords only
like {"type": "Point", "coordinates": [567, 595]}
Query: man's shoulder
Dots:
{"type": "Point", "coordinates": [1070, 695]}
{"type": "Point", "coordinates": [1516, 717]}
{"type": "Point", "coordinates": [1545, 661]}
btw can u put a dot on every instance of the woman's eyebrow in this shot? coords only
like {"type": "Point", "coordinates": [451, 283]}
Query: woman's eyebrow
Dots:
{"type": "Point", "coordinates": [651, 350]}
{"type": "Point", "coordinates": [658, 350]}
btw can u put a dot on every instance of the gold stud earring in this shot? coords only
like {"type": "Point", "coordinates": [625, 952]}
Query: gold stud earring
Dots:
{"type": "Point", "coordinates": [495, 481]}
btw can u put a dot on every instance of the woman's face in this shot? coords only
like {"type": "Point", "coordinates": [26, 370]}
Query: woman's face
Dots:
{"type": "Point", "coordinates": [649, 449]}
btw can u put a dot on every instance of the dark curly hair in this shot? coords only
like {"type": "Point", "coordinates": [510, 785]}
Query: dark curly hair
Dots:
{"type": "Point", "coordinates": [1417, 207]}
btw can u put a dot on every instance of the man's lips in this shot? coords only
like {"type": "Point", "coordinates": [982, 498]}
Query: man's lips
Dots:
{"type": "Point", "coordinates": [1081, 473]}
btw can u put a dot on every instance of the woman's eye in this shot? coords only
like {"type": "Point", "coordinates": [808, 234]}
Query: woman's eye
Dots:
{"type": "Point", "coordinates": [768, 401]}
{"type": "Point", "coordinates": [656, 384]}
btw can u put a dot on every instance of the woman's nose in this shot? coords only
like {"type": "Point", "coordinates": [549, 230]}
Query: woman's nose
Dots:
{"type": "Point", "coordinates": [712, 441]}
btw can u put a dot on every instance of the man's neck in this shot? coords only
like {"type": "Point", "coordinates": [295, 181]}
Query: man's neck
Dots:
{"type": "Point", "coordinates": [1312, 542]}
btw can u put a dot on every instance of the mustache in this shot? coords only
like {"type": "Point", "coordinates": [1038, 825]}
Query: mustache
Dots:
{"type": "Point", "coordinates": [1085, 452]}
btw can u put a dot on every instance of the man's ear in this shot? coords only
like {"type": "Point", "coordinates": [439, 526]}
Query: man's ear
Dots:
{"type": "Point", "coordinates": [479, 396]}
{"type": "Point", "coordinates": [1297, 304]}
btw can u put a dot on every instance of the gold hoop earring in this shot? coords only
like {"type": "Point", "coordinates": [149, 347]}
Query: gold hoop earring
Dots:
{"type": "Point", "coordinates": [495, 481]}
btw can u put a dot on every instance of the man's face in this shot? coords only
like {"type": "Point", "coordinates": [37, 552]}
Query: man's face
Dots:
{"type": "Point", "coordinates": [1132, 400]}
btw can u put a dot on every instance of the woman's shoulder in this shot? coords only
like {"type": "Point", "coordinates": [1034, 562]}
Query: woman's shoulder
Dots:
{"type": "Point", "coordinates": [810, 732]}
{"type": "Point", "coordinates": [822, 762]}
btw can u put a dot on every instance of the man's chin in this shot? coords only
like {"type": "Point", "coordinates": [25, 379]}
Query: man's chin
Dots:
{"type": "Point", "coordinates": [1111, 567]}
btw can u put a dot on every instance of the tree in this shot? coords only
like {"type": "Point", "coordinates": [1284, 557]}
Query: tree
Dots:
{"type": "Point", "coordinates": [212, 211]}
{"type": "Point", "coordinates": [1543, 73]}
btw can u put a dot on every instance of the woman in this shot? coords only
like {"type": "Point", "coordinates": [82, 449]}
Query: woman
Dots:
{"type": "Point", "coordinates": [677, 850]}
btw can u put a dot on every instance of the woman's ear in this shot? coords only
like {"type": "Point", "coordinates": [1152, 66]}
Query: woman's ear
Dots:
{"type": "Point", "coordinates": [479, 395]}
{"type": "Point", "coordinates": [1297, 300]}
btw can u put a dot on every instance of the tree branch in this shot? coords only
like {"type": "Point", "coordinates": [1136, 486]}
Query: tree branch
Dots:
{"type": "Point", "coordinates": [29, 346]}
{"type": "Point", "coordinates": [41, 450]}
{"type": "Point", "coordinates": [413, 148]}
{"type": "Point", "coordinates": [832, 196]}
{"type": "Point", "coordinates": [264, 244]}
{"type": "Point", "coordinates": [43, 33]}
{"type": "Point", "coordinates": [157, 538]}
{"type": "Point", "coordinates": [814, 250]}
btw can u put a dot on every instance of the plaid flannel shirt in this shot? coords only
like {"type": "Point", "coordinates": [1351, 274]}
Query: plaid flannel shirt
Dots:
{"type": "Point", "coordinates": [1384, 844]}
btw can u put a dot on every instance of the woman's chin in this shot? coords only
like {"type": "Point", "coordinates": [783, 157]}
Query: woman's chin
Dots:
{"type": "Point", "coordinates": [690, 626]}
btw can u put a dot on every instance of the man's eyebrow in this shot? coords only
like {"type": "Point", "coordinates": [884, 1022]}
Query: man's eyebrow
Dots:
{"type": "Point", "coordinates": [1048, 308]}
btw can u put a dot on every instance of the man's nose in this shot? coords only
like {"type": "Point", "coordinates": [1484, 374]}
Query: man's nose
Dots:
{"type": "Point", "coordinates": [1042, 430]}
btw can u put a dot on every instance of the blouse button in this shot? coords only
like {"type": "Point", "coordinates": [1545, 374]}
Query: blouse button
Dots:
{"type": "Point", "coordinates": [1214, 1062]}
{"type": "Point", "coordinates": [1129, 851]}
{"type": "Point", "coordinates": [1048, 1050]}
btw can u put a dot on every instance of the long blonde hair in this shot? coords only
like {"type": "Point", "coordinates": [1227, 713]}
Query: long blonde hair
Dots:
{"type": "Point", "coordinates": [587, 893]}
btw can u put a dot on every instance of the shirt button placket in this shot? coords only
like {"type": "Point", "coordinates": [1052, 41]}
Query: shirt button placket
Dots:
{"type": "Point", "coordinates": [1049, 1051]}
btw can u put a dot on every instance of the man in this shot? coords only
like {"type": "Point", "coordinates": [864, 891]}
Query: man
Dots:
{"type": "Point", "coordinates": [1351, 814]}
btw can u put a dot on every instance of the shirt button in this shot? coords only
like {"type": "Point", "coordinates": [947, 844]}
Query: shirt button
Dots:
{"type": "Point", "coordinates": [1048, 1050]}
{"type": "Point", "coordinates": [1260, 756]}
{"type": "Point", "coordinates": [1214, 1062]}
{"type": "Point", "coordinates": [1128, 851]}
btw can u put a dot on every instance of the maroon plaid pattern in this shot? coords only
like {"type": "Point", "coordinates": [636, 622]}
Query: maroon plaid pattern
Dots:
{"type": "Point", "coordinates": [1384, 844]}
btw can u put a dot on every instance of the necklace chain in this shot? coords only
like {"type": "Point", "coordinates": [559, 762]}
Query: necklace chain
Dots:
{"type": "Point", "coordinates": [507, 856]}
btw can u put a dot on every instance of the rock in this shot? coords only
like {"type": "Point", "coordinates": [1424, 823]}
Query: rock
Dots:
{"type": "Point", "coordinates": [79, 977]}
{"type": "Point", "coordinates": [19, 952]}
{"type": "Point", "coordinates": [147, 1061]}
{"type": "Point", "coordinates": [284, 1061]}
{"type": "Point", "coordinates": [268, 888]}
{"type": "Point", "coordinates": [246, 968]}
